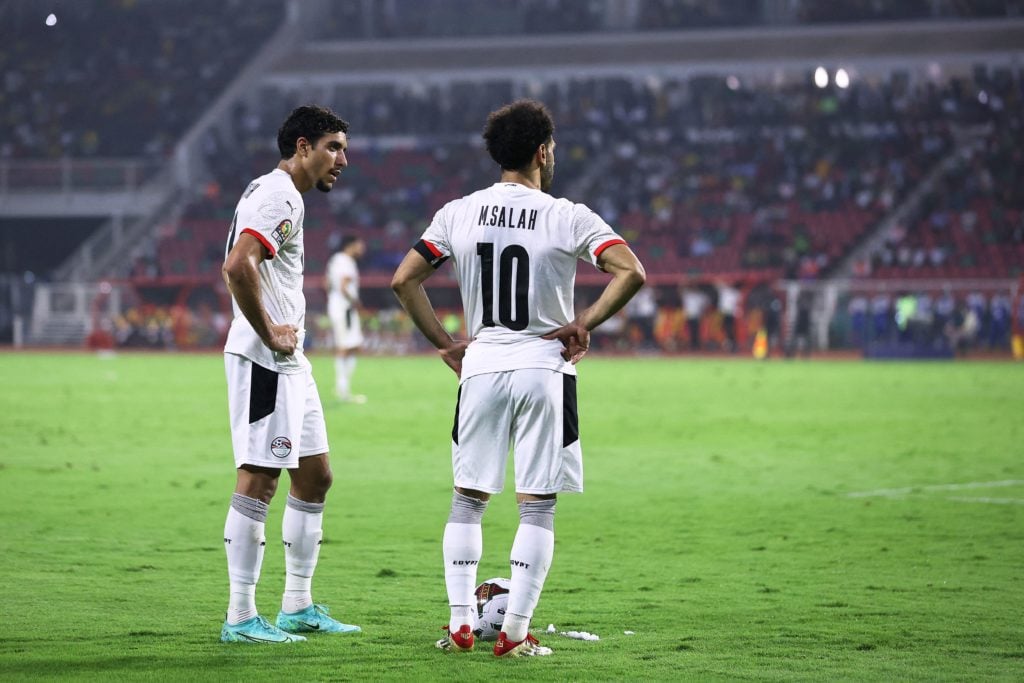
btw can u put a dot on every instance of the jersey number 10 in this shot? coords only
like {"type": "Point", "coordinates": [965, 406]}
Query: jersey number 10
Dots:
{"type": "Point", "coordinates": [513, 258]}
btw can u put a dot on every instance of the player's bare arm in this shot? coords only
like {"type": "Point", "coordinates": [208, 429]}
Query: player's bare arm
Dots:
{"type": "Point", "coordinates": [345, 287]}
{"type": "Point", "coordinates": [407, 284]}
{"type": "Point", "coordinates": [628, 276]}
{"type": "Point", "coordinates": [241, 274]}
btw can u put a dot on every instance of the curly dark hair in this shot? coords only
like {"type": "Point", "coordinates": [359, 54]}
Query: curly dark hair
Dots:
{"type": "Point", "coordinates": [311, 122]}
{"type": "Point", "coordinates": [347, 240]}
{"type": "Point", "coordinates": [514, 132]}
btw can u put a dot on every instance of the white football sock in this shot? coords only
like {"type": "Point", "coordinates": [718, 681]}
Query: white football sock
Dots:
{"type": "Point", "coordinates": [241, 603]}
{"type": "Point", "coordinates": [463, 545]}
{"type": "Point", "coordinates": [341, 375]}
{"type": "Point", "coordinates": [350, 369]}
{"type": "Point", "coordinates": [244, 543]}
{"type": "Point", "coordinates": [530, 560]}
{"type": "Point", "coordinates": [302, 532]}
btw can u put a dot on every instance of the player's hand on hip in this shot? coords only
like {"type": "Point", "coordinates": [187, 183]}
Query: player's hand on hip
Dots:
{"type": "Point", "coordinates": [283, 339]}
{"type": "Point", "coordinates": [452, 355]}
{"type": "Point", "coordinates": [575, 340]}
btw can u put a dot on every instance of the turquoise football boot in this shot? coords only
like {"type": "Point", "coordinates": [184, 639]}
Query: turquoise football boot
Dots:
{"type": "Point", "coordinates": [313, 619]}
{"type": "Point", "coordinates": [256, 630]}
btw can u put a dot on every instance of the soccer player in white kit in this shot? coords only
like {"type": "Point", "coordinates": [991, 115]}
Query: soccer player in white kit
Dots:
{"type": "Point", "coordinates": [514, 248]}
{"type": "Point", "coordinates": [343, 310]}
{"type": "Point", "coordinates": [277, 421]}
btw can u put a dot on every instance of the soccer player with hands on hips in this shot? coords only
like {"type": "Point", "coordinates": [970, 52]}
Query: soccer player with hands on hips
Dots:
{"type": "Point", "coordinates": [514, 248]}
{"type": "Point", "coordinates": [277, 420]}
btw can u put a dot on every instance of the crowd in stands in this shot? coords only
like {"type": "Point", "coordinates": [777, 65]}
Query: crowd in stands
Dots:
{"type": "Point", "coordinates": [119, 78]}
{"type": "Point", "coordinates": [72, 90]}
{"type": "Point", "coordinates": [131, 88]}
{"type": "Point", "coordinates": [384, 19]}
{"type": "Point", "coordinates": [733, 177]}
{"type": "Point", "coordinates": [971, 224]}
{"type": "Point", "coordinates": [700, 175]}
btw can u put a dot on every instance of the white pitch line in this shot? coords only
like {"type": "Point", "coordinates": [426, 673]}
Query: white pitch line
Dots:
{"type": "Point", "coordinates": [937, 487]}
{"type": "Point", "coordinates": [993, 501]}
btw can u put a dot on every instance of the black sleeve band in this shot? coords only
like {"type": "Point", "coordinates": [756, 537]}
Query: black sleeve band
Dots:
{"type": "Point", "coordinates": [425, 250]}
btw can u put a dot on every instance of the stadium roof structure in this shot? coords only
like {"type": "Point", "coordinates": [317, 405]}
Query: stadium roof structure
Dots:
{"type": "Point", "coordinates": [751, 50]}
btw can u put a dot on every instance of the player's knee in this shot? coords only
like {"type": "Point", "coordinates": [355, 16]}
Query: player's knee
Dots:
{"type": "Point", "coordinates": [265, 488]}
{"type": "Point", "coordinates": [257, 483]}
{"type": "Point", "coordinates": [325, 480]}
{"type": "Point", "coordinates": [315, 486]}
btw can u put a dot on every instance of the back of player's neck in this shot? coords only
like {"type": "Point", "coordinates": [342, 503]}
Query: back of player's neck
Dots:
{"type": "Point", "coordinates": [520, 179]}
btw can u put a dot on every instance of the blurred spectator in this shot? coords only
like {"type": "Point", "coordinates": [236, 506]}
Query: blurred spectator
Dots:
{"type": "Point", "coordinates": [800, 342]}
{"type": "Point", "coordinates": [641, 312]}
{"type": "Point", "coordinates": [694, 302]}
{"type": "Point", "coordinates": [858, 312]}
{"type": "Point", "coordinates": [728, 306]}
{"type": "Point", "coordinates": [963, 329]}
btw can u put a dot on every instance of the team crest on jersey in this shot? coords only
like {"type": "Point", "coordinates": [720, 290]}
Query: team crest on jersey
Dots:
{"type": "Point", "coordinates": [281, 447]}
{"type": "Point", "coordinates": [282, 231]}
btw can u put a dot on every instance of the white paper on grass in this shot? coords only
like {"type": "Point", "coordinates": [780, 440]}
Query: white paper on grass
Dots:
{"type": "Point", "coordinates": [580, 635]}
{"type": "Point", "coordinates": [577, 635]}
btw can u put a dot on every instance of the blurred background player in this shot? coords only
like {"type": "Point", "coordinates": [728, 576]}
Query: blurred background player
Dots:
{"type": "Point", "coordinates": [276, 417]}
{"type": "Point", "coordinates": [343, 310]}
{"type": "Point", "coordinates": [694, 302]}
{"type": "Point", "coordinates": [728, 306]}
{"type": "Point", "coordinates": [515, 249]}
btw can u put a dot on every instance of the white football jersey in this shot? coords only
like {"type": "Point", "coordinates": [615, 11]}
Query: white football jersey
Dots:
{"type": "Point", "coordinates": [515, 251]}
{"type": "Point", "coordinates": [271, 210]}
{"type": "Point", "coordinates": [339, 267]}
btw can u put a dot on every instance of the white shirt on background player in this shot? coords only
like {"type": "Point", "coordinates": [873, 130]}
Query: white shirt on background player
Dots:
{"type": "Point", "coordinates": [497, 230]}
{"type": "Point", "coordinates": [271, 210]}
{"type": "Point", "coordinates": [339, 267]}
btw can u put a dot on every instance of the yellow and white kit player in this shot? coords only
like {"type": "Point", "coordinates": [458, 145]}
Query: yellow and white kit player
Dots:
{"type": "Point", "coordinates": [343, 311]}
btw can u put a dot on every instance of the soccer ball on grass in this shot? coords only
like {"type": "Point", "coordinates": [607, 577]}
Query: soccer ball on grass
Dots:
{"type": "Point", "coordinates": [491, 601]}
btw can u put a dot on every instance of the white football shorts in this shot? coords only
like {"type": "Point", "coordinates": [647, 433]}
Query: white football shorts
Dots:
{"type": "Point", "coordinates": [533, 411]}
{"type": "Point", "coordinates": [347, 329]}
{"type": "Point", "coordinates": [276, 418]}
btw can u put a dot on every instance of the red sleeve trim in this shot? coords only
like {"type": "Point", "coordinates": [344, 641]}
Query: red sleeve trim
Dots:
{"type": "Point", "coordinates": [433, 250]}
{"type": "Point", "coordinates": [263, 240]}
{"type": "Point", "coordinates": [609, 243]}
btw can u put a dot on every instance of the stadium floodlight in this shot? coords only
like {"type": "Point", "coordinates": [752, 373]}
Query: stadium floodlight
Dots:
{"type": "Point", "coordinates": [732, 82]}
{"type": "Point", "coordinates": [842, 78]}
{"type": "Point", "coordinates": [820, 77]}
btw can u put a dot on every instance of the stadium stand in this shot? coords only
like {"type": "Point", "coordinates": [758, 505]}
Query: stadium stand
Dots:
{"type": "Point", "coordinates": [737, 173]}
{"type": "Point", "coordinates": [444, 18]}
{"type": "Point", "coordinates": [120, 78]}
{"type": "Point", "coordinates": [773, 180]}
{"type": "Point", "coordinates": [971, 224]}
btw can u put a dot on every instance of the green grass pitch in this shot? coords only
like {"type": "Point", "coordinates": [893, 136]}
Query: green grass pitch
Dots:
{"type": "Point", "coordinates": [746, 521]}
